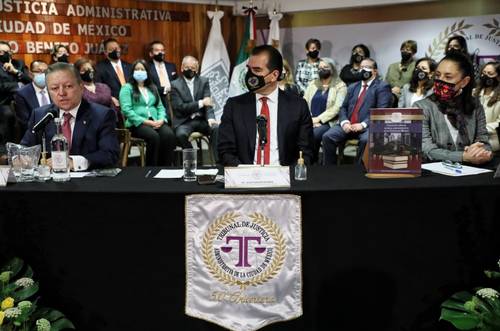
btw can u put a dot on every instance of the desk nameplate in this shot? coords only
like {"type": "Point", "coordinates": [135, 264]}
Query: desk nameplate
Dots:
{"type": "Point", "coordinates": [257, 177]}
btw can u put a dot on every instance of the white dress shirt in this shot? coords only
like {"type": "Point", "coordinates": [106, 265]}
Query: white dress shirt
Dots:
{"type": "Point", "coordinates": [361, 91]}
{"type": "Point", "coordinates": [160, 67]}
{"type": "Point", "coordinates": [272, 103]}
{"type": "Point", "coordinates": [80, 163]}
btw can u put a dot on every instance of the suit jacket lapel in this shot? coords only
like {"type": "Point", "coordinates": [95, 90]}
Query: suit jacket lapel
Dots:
{"type": "Point", "coordinates": [249, 119]}
{"type": "Point", "coordinates": [113, 71]}
{"type": "Point", "coordinates": [186, 91]}
{"type": "Point", "coordinates": [81, 125]}
{"type": "Point", "coordinates": [282, 121]}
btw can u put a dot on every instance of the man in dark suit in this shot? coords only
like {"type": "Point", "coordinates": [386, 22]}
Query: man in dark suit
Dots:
{"type": "Point", "coordinates": [192, 104]}
{"type": "Point", "coordinates": [13, 74]}
{"type": "Point", "coordinates": [33, 95]}
{"type": "Point", "coordinates": [289, 124]}
{"type": "Point", "coordinates": [354, 116]}
{"type": "Point", "coordinates": [112, 71]}
{"type": "Point", "coordinates": [162, 72]}
{"type": "Point", "coordinates": [90, 127]}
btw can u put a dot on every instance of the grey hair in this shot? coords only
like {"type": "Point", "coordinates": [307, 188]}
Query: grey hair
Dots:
{"type": "Point", "coordinates": [189, 57]}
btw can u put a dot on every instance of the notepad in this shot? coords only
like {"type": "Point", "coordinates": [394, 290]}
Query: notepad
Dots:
{"type": "Point", "coordinates": [439, 168]}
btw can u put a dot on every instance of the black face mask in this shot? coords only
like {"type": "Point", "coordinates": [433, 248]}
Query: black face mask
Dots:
{"type": "Point", "coordinates": [5, 57]}
{"type": "Point", "coordinates": [365, 75]}
{"type": "Point", "coordinates": [88, 76]}
{"type": "Point", "coordinates": [114, 55]}
{"type": "Point", "coordinates": [63, 58]}
{"type": "Point", "coordinates": [324, 73]}
{"type": "Point", "coordinates": [453, 51]}
{"type": "Point", "coordinates": [489, 81]}
{"type": "Point", "coordinates": [357, 58]}
{"type": "Point", "coordinates": [405, 56]}
{"type": "Point", "coordinates": [313, 54]}
{"type": "Point", "coordinates": [254, 82]}
{"type": "Point", "coordinates": [419, 75]}
{"type": "Point", "coordinates": [189, 74]}
{"type": "Point", "coordinates": [159, 57]}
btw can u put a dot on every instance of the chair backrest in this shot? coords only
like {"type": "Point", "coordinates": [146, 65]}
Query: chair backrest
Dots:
{"type": "Point", "coordinates": [124, 137]}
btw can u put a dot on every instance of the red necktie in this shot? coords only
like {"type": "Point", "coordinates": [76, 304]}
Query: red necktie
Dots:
{"type": "Point", "coordinates": [66, 128]}
{"type": "Point", "coordinates": [264, 111]}
{"type": "Point", "coordinates": [357, 106]}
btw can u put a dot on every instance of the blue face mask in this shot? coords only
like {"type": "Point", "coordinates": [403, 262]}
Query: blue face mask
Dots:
{"type": "Point", "coordinates": [140, 75]}
{"type": "Point", "coordinates": [39, 80]}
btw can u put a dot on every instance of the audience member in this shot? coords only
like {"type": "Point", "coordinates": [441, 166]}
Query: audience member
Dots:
{"type": "Point", "coordinates": [488, 92]}
{"type": "Point", "coordinates": [454, 126]}
{"type": "Point", "coordinates": [400, 73]}
{"type": "Point", "coordinates": [145, 115]}
{"type": "Point", "coordinates": [32, 95]}
{"type": "Point", "coordinates": [307, 70]}
{"type": "Point", "coordinates": [112, 71]}
{"type": "Point", "coordinates": [354, 114]}
{"type": "Point", "coordinates": [286, 82]}
{"type": "Point", "coordinates": [162, 72]}
{"type": "Point", "coordinates": [351, 73]}
{"type": "Point", "coordinates": [59, 53]}
{"type": "Point", "coordinates": [192, 105]}
{"type": "Point", "coordinates": [324, 97]}
{"type": "Point", "coordinates": [88, 127]}
{"type": "Point", "coordinates": [289, 124]}
{"type": "Point", "coordinates": [421, 83]}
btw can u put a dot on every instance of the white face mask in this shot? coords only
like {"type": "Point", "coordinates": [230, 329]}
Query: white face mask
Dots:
{"type": "Point", "coordinates": [39, 80]}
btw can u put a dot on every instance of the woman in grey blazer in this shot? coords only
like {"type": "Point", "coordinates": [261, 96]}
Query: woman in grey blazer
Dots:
{"type": "Point", "coordinates": [454, 126]}
{"type": "Point", "coordinates": [420, 86]}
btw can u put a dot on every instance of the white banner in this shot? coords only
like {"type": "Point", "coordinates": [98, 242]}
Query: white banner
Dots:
{"type": "Point", "coordinates": [243, 259]}
{"type": "Point", "coordinates": [215, 63]}
{"type": "Point", "coordinates": [384, 39]}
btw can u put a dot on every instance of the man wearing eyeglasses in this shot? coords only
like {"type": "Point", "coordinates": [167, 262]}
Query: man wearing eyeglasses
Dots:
{"type": "Point", "coordinates": [354, 116]}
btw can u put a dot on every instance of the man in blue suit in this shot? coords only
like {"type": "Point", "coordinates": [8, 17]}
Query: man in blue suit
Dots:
{"type": "Point", "coordinates": [93, 142]}
{"type": "Point", "coordinates": [33, 95]}
{"type": "Point", "coordinates": [162, 71]}
{"type": "Point", "coordinates": [354, 116]}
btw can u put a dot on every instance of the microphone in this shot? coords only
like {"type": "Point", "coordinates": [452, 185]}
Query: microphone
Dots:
{"type": "Point", "coordinates": [262, 129]}
{"type": "Point", "coordinates": [41, 124]}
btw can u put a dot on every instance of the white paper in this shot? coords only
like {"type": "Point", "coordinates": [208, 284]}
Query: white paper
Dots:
{"type": "Point", "coordinates": [79, 174]}
{"type": "Point", "coordinates": [439, 168]}
{"type": "Point", "coordinates": [178, 173]}
{"type": "Point", "coordinates": [4, 175]}
{"type": "Point", "coordinates": [257, 177]}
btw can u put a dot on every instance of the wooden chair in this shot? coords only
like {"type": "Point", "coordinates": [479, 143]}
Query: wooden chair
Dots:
{"type": "Point", "coordinates": [199, 138]}
{"type": "Point", "coordinates": [126, 142]}
{"type": "Point", "coordinates": [341, 149]}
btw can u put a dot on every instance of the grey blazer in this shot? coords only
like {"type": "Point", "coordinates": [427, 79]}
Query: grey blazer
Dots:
{"type": "Point", "coordinates": [406, 95]}
{"type": "Point", "coordinates": [437, 143]}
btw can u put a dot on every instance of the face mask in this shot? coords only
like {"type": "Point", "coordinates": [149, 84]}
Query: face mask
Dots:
{"type": "Point", "coordinates": [39, 80]}
{"type": "Point", "coordinates": [366, 74]}
{"type": "Point", "coordinates": [313, 54]}
{"type": "Point", "coordinates": [159, 57]}
{"type": "Point", "coordinates": [63, 58]}
{"type": "Point", "coordinates": [88, 76]}
{"type": "Point", "coordinates": [489, 81]}
{"type": "Point", "coordinates": [324, 73]}
{"type": "Point", "coordinates": [5, 57]}
{"type": "Point", "coordinates": [114, 55]}
{"type": "Point", "coordinates": [254, 82]}
{"type": "Point", "coordinates": [188, 73]}
{"type": "Point", "coordinates": [444, 91]}
{"type": "Point", "coordinates": [405, 56]}
{"type": "Point", "coordinates": [140, 75]}
{"type": "Point", "coordinates": [357, 58]}
{"type": "Point", "coordinates": [419, 75]}
{"type": "Point", "coordinates": [453, 51]}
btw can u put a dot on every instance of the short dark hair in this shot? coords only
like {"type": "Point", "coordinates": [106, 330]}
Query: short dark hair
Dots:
{"type": "Point", "coordinates": [56, 47]}
{"type": "Point", "coordinates": [375, 65]}
{"type": "Point", "coordinates": [62, 66]}
{"type": "Point", "coordinates": [429, 83]}
{"type": "Point", "coordinates": [313, 41]}
{"type": "Point", "coordinates": [151, 44]}
{"type": "Point", "coordinates": [35, 62]}
{"type": "Point", "coordinates": [412, 44]}
{"type": "Point", "coordinates": [275, 60]}
{"type": "Point", "coordinates": [109, 40]}
{"type": "Point", "coordinates": [461, 40]}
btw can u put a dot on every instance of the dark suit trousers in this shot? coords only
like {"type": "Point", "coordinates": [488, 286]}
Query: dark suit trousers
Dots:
{"type": "Point", "coordinates": [183, 131]}
{"type": "Point", "coordinates": [336, 136]}
{"type": "Point", "coordinates": [7, 124]}
{"type": "Point", "coordinates": [160, 144]}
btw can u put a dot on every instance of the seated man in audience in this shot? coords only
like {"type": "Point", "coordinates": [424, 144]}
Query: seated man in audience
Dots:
{"type": "Point", "coordinates": [162, 72]}
{"type": "Point", "coordinates": [354, 114]}
{"type": "Point", "coordinates": [112, 71]}
{"type": "Point", "coordinates": [13, 74]}
{"type": "Point", "coordinates": [192, 104]}
{"type": "Point", "coordinates": [33, 95]}
{"type": "Point", "coordinates": [88, 127]}
{"type": "Point", "coordinates": [289, 123]}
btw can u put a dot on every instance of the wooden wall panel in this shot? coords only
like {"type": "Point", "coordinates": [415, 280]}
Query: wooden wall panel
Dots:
{"type": "Point", "coordinates": [187, 35]}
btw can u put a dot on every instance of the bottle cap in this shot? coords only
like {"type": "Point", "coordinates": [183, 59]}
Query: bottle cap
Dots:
{"type": "Point", "coordinates": [300, 161]}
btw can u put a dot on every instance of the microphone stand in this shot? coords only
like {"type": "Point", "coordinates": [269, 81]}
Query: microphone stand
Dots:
{"type": "Point", "coordinates": [261, 154]}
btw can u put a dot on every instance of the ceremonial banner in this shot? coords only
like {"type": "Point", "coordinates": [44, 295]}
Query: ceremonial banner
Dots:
{"type": "Point", "coordinates": [243, 259]}
{"type": "Point", "coordinates": [215, 64]}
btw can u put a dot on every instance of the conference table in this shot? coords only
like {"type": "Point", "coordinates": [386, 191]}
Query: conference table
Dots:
{"type": "Point", "coordinates": [378, 254]}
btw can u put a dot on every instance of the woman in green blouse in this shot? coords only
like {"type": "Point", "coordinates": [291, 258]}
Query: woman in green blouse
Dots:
{"type": "Point", "coordinates": [146, 117]}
